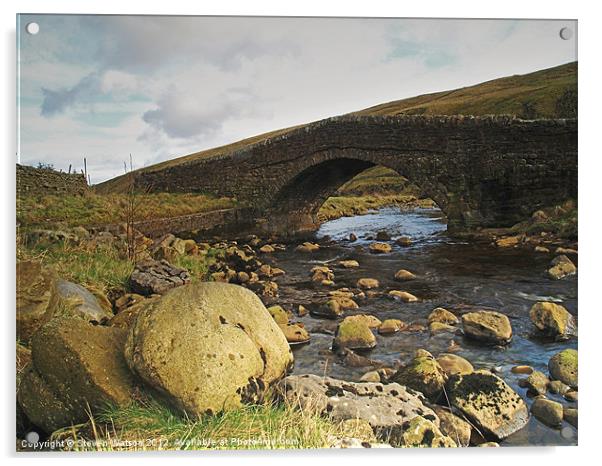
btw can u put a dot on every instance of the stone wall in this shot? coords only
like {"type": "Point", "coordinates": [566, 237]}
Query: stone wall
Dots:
{"type": "Point", "coordinates": [481, 171]}
{"type": "Point", "coordinates": [41, 181]}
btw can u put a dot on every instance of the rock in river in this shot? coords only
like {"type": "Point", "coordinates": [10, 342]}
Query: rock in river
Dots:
{"type": "Point", "coordinates": [563, 366]}
{"type": "Point", "coordinates": [390, 326]}
{"type": "Point", "coordinates": [487, 326]}
{"type": "Point", "coordinates": [547, 411]}
{"type": "Point", "coordinates": [354, 333]}
{"type": "Point", "coordinates": [553, 320]}
{"type": "Point", "coordinates": [349, 264]}
{"type": "Point", "coordinates": [387, 408]}
{"type": "Point", "coordinates": [208, 347]}
{"type": "Point", "coordinates": [537, 383]}
{"type": "Point", "coordinates": [442, 315]}
{"type": "Point", "coordinates": [403, 296]}
{"type": "Point", "coordinates": [561, 267]}
{"type": "Point", "coordinates": [295, 334]}
{"type": "Point", "coordinates": [488, 402]}
{"type": "Point", "coordinates": [403, 275]}
{"type": "Point", "coordinates": [453, 364]}
{"type": "Point", "coordinates": [422, 433]}
{"type": "Point", "coordinates": [156, 277]}
{"type": "Point", "coordinates": [379, 248]}
{"type": "Point", "coordinates": [367, 283]}
{"type": "Point", "coordinates": [454, 426]}
{"type": "Point", "coordinates": [307, 247]}
{"type": "Point", "coordinates": [75, 367]}
{"type": "Point", "coordinates": [423, 374]}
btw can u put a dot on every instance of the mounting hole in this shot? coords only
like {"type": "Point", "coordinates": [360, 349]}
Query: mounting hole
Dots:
{"type": "Point", "coordinates": [32, 28]}
{"type": "Point", "coordinates": [566, 33]}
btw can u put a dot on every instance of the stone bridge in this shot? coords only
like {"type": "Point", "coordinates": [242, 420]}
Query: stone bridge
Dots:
{"type": "Point", "coordinates": [481, 171]}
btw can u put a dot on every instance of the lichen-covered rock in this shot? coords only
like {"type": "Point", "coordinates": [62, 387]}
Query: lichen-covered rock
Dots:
{"type": "Point", "coordinates": [156, 277]}
{"type": "Point", "coordinates": [561, 267]}
{"type": "Point", "coordinates": [208, 347]}
{"type": "Point", "coordinates": [537, 383]}
{"type": "Point", "coordinates": [443, 316]}
{"type": "Point", "coordinates": [424, 374]}
{"type": "Point", "coordinates": [367, 283]}
{"type": "Point", "coordinates": [563, 366]}
{"type": "Point", "coordinates": [488, 402]}
{"type": "Point", "coordinates": [454, 426]}
{"type": "Point", "coordinates": [553, 320]}
{"type": "Point", "coordinates": [354, 333]}
{"type": "Point", "coordinates": [379, 248]}
{"type": "Point", "coordinates": [76, 367]}
{"type": "Point", "coordinates": [73, 300]}
{"type": "Point", "coordinates": [547, 411]}
{"type": "Point", "coordinates": [386, 407]}
{"type": "Point", "coordinates": [453, 364]}
{"type": "Point", "coordinates": [403, 275]}
{"type": "Point", "coordinates": [488, 327]}
{"type": "Point", "coordinates": [36, 286]}
{"type": "Point", "coordinates": [422, 433]}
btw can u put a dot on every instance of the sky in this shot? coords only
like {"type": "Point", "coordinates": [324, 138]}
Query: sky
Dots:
{"type": "Point", "coordinates": [103, 87]}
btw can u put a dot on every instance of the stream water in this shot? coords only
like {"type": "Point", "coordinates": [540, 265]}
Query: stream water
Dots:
{"type": "Point", "coordinates": [451, 274]}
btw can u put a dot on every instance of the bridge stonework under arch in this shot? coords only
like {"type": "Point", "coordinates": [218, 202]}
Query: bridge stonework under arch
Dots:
{"type": "Point", "coordinates": [481, 171]}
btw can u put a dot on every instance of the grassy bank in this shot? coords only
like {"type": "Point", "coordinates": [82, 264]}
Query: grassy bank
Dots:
{"type": "Point", "coordinates": [94, 209]}
{"type": "Point", "coordinates": [152, 426]}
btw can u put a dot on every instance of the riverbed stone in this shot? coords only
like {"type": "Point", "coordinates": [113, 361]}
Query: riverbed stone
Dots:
{"type": "Point", "coordinates": [403, 275]}
{"type": "Point", "coordinates": [422, 433]}
{"type": "Point", "coordinates": [371, 376]}
{"type": "Point", "coordinates": [76, 367]}
{"type": "Point", "coordinates": [444, 316]}
{"type": "Point", "coordinates": [423, 374]}
{"type": "Point", "coordinates": [570, 415]}
{"type": "Point", "coordinates": [386, 407]}
{"type": "Point", "coordinates": [267, 249]}
{"type": "Point", "coordinates": [278, 314]}
{"type": "Point", "coordinates": [319, 273]}
{"type": "Point", "coordinates": [367, 283]}
{"type": "Point", "coordinates": [156, 277]}
{"type": "Point", "coordinates": [294, 333]}
{"type": "Point", "coordinates": [489, 327]}
{"type": "Point", "coordinates": [403, 296]}
{"type": "Point", "coordinates": [349, 264]}
{"type": "Point", "coordinates": [308, 247]}
{"type": "Point", "coordinates": [522, 369]}
{"type": "Point", "coordinates": [547, 411]}
{"type": "Point", "coordinates": [553, 320]}
{"type": "Point", "coordinates": [208, 347]}
{"type": "Point", "coordinates": [379, 248]}
{"type": "Point", "coordinates": [561, 267]}
{"type": "Point", "coordinates": [354, 333]}
{"type": "Point", "coordinates": [453, 426]}
{"type": "Point", "coordinates": [439, 327]}
{"type": "Point", "coordinates": [36, 286]}
{"type": "Point", "coordinates": [563, 366]}
{"type": "Point", "coordinates": [557, 387]}
{"type": "Point", "coordinates": [391, 326]}
{"type": "Point", "coordinates": [404, 241]}
{"type": "Point", "coordinates": [488, 402]}
{"type": "Point", "coordinates": [331, 309]}
{"type": "Point", "coordinates": [453, 364]}
{"type": "Point", "coordinates": [345, 302]}
{"type": "Point", "coordinates": [537, 383]}
{"type": "Point", "coordinates": [572, 395]}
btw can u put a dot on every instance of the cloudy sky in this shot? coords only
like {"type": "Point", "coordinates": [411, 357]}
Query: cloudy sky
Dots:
{"type": "Point", "coordinates": [160, 87]}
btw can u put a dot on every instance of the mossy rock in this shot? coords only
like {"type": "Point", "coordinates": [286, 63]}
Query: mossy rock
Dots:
{"type": "Point", "coordinates": [208, 347]}
{"type": "Point", "coordinates": [422, 433]}
{"type": "Point", "coordinates": [423, 374]}
{"type": "Point", "coordinates": [354, 333]}
{"type": "Point", "coordinates": [563, 366]}
{"type": "Point", "coordinates": [76, 367]}
{"type": "Point", "coordinates": [553, 320]}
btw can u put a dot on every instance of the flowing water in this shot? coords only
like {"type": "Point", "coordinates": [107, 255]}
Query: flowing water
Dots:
{"type": "Point", "coordinates": [451, 274]}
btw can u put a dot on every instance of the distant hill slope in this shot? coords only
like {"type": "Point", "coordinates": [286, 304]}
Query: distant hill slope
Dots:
{"type": "Point", "coordinates": [549, 93]}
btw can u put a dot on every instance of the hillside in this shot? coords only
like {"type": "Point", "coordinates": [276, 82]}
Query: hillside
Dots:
{"type": "Point", "coordinates": [549, 93]}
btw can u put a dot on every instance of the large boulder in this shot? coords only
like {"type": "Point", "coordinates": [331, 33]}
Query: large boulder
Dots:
{"type": "Point", "coordinates": [36, 286]}
{"type": "Point", "coordinates": [423, 374]}
{"type": "Point", "coordinates": [76, 368]}
{"type": "Point", "coordinates": [553, 320]}
{"type": "Point", "coordinates": [488, 327]}
{"type": "Point", "coordinates": [156, 277]}
{"type": "Point", "coordinates": [208, 347]}
{"type": "Point", "coordinates": [387, 408]}
{"type": "Point", "coordinates": [73, 300]}
{"type": "Point", "coordinates": [488, 402]}
{"type": "Point", "coordinates": [563, 366]}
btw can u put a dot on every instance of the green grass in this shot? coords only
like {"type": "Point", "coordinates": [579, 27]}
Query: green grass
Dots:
{"type": "Point", "coordinates": [94, 209]}
{"type": "Point", "coordinates": [151, 426]}
{"type": "Point", "coordinates": [562, 222]}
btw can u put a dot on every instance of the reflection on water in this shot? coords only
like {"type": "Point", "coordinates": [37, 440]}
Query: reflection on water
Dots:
{"type": "Point", "coordinates": [451, 274]}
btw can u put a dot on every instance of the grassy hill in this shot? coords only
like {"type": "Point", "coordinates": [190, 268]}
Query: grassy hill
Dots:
{"type": "Point", "coordinates": [549, 93]}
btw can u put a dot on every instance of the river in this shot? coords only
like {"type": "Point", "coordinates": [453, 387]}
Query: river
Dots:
{"type": "Point", "coordinates": [451, 274]}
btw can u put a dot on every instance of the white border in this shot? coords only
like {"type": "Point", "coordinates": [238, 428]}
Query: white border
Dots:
{"type": "Point", "coordinates": [589, 185]}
